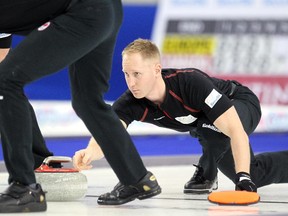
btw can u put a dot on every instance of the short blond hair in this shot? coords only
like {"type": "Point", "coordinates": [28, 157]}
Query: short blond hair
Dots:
{"type": "Point", "coordinates": [146, 48]}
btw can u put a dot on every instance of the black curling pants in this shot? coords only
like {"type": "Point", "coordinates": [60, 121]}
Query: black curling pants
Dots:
{"type": "Point", "coordinates": [82, 37]}
{"type": "Point", "coordinates": [266, 168]}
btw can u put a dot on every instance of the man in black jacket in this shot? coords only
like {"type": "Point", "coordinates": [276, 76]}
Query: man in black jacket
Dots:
{"type": "Point", "coordinates": [219, 113]}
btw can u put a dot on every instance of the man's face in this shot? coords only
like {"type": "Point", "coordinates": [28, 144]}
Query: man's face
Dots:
{"type": "Point", "coordinates": [140, 74]}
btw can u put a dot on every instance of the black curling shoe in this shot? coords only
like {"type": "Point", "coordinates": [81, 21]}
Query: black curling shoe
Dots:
{"type": "Point", "coordinates": [198, 184]}
{"type": "Point", "coordinates": [22, 198]}
{"type": "Point", "coordinates": [147, 187]}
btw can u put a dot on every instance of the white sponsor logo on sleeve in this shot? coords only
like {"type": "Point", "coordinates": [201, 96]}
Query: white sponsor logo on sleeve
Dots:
{"type": "Point", "coordinates": [212, 98]}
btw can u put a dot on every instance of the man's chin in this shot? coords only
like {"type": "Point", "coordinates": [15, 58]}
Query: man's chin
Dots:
{"type": "Point", "coordinates": [138, 96]}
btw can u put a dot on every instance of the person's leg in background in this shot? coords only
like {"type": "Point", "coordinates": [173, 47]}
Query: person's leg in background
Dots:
{"type": "Point", "coordinates": [269, 168]}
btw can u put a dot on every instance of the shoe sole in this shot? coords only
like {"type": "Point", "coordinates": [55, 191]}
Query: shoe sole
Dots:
{"type": "Point", "coordinates": [140, 196]}
{"type": "Point", "coordinates": [193, 191]}
{"type": "Point", "coordinates": [30, 207]}
{"type": "Point", "coordinates": [200, 191]}
{"type": "Point", "coordinates": [151, 194]}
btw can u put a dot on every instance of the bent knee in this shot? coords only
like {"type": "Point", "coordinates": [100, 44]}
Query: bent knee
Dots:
{"type": "Point", "coordinates": [86, 105]}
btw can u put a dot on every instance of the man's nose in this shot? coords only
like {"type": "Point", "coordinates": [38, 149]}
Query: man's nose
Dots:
{"type": "Point", "coordinates": [131, 82]}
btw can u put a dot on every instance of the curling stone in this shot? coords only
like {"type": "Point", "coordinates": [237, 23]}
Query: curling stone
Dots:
{"type": "Point", "coordinates": [61, 184]}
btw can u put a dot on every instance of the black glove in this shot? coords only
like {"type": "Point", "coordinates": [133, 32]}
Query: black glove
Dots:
{"type": "Point", "coordinates": [243, 182]}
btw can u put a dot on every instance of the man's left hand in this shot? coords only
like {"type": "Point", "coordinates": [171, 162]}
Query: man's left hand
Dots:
{"type": "Point", "coordinates": [244, 182]}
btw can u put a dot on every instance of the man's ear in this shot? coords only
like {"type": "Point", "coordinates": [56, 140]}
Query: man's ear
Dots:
{"type": "Point", "coordinates": [158, 69]}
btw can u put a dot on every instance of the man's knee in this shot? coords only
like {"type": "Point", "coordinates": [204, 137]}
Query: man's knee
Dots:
{"type": "Point", "coordinates": [84, 105]}
{"type": "Point", "coordinates": [78, 105]}
{"type": "Point", "coordinates": [12, 81]}
{"type": "Point", "coordinates": [7, 85]}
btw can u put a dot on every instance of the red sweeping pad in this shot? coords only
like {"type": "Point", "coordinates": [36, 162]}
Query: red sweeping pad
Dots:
{"type": "Point", "coordinates": [234, 197]}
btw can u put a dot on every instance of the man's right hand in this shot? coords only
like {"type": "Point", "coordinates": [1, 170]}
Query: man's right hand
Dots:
{"type": "Point", "coordinates": [82, 159]}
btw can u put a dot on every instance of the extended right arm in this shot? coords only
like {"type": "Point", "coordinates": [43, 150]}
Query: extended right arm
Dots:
{"type": "Point", "coordinates": [82, 159]}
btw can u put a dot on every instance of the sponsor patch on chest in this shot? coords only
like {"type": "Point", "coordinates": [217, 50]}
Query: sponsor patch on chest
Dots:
{"type": "Point", "coordinates": [186, 119]}
{"type": "Point", "coordinates": [212, 98]}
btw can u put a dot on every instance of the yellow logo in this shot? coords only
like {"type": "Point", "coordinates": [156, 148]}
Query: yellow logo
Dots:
{"type": "Point", "coordinates": [146, 188]}
{"type": "Point", "coordinates": [152, 178]}
{"type": "Point", "coordinates": [42, 198]}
